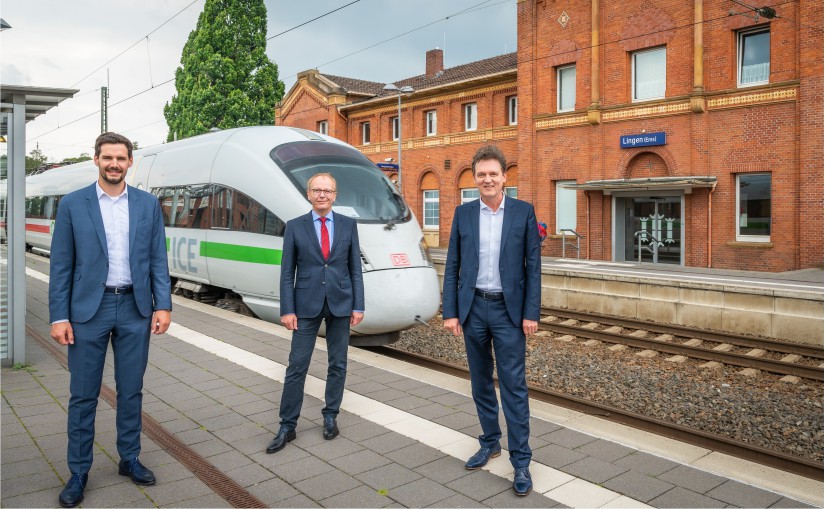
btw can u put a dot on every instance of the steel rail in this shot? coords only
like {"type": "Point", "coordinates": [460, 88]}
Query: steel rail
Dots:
{"type": "Point", "coordinates": [742, 340]}
{"type": "Point", "coordinates": [733, 359]}
{"type": "Point", "coordinates": [762, 455]}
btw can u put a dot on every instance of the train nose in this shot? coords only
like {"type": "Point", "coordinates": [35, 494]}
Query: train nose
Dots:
{"type": "Point", "coordinates": [398, 299]}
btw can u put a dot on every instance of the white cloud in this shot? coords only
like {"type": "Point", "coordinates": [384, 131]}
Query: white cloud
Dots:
{"type": "Point", "coordinates": [56, 44]}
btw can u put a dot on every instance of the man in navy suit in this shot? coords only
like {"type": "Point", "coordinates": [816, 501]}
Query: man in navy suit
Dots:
{"type": "Point", "coordinates": [109, 281]}
{"type": "Point", "coordinates": [320, 281]}
{"type": "Point", "coordinates": [492, 292]}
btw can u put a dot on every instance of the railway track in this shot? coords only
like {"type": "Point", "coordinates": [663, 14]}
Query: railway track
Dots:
{"type": "Point", "coordinates": [757, 454]}
{"type": "Point", "coordinates": [762, 354]}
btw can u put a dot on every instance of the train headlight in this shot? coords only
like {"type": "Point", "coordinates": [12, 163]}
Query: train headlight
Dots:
{"type": "Point", "coordinates": [425, 252]}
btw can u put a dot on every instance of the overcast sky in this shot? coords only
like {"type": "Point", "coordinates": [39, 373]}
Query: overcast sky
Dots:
{"type": "Point", "coordinates": [62, 44]}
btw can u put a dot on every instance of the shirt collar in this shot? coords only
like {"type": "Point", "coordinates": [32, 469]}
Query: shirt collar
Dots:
{"type": "Point", "coordinates": [101, 193]}
{"type": "Point", "coordinates": [500, 207]}
{"type": "Point", "coordinates": [315, 215]}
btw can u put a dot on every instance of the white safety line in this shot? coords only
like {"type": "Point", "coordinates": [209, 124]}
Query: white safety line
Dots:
{"type": "Point", "coordinates": [552, 483]}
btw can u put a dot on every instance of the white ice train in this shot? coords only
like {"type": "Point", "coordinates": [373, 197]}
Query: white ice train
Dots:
{"type": "Point", "coordinates": [226, 197]}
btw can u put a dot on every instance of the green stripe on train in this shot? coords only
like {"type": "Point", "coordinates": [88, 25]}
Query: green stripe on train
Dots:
{"type": "Point", "coordinates": [241, 253]}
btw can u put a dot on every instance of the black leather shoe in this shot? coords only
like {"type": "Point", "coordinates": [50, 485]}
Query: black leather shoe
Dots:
{"type": "Point", "coordinates": [139, 474]}
{"type": "Point", "coordinates": [483, 455]}
{"type": "Point", "coordinates": [522, 482]}
{"type": "Point", "coordinates": [72, 493]}
{"type": "Point", "coordinates": [330, 428]}
{"type": "Point", "coordinates": [279, 442]}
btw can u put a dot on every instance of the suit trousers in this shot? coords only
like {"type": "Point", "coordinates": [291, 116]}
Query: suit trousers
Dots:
{"type": "Point", "coordinates": [488, 328]}
{"type": "Point", "coordinates": [119, 321]}
{"type": "Point", "coordinates": [300, 355]}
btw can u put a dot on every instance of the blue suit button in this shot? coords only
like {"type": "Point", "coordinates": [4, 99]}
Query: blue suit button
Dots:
{"type": "Point", "coordinates": [323, 282]}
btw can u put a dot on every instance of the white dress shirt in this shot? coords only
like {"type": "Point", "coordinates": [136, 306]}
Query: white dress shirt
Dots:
{"type": "Point", "coordinates": [115, 212]}
{"type": "Point", "coordinates": [490, 225]}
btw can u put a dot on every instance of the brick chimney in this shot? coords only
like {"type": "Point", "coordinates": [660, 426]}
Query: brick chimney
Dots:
{"type": "Point", "coordinates": [435, 62]}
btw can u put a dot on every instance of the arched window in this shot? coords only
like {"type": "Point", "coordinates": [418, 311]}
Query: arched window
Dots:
{"type": "Point", "coordinates": [467, 186]}
{"type": "Point", "coordinates": [431, 200]}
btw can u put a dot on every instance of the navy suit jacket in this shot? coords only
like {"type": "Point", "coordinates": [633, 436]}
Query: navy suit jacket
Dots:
{"type": "Point", "coordinates": [306, 278]}
{"type": "Point", "coordinates": [80, 256]}
{"type": "Point", "coordinates": [519, 262]}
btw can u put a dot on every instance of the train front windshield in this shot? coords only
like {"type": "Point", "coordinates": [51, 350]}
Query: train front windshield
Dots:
{"type": "Point", "coordinates": [364, 192]}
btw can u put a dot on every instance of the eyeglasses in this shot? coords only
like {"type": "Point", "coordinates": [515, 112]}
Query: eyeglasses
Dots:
{"type": "Point", "coordinates": [319, 192]}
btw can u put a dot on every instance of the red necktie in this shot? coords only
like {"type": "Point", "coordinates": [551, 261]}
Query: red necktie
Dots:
{"type": "Point", "coordinates": [324, 238]}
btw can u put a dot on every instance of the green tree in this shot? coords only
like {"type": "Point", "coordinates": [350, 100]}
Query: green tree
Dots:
{"type": "Point", "coordinates": [79, 159]}
{"type": "Point", "coordinates": [35, 159]}
{"type": "Point", "coordinates": [225, 79]}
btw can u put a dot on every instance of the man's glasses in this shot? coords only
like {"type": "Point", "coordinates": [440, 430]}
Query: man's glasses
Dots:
{"type": "Point", "coordinates": [319, 192]}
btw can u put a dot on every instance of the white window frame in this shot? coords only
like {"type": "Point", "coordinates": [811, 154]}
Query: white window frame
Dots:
{"type": "Point", "coordinates": [430, 196]}
{"type": "Point", "coordinates": [740, 55]}
{"type": "Point", "coordinates": [512, 110]}
{"type": "Point", "coordinates": [470, 117]}
{"type": "Point", "coordinates": [323, 127]}
{"type": "Point", "coordinates": [431, 123]}
{"type": "Point", "coordinates": [511, 192]}
{"type": "Point", "coordinates": [394, 127]}
{"type": "Point", "coordinates": [633, 57]}
{"type": "Point", "coordinates": [365, 133]}
{"type": "Point", "coordinates": [559, 72]}
{"type": "Point", "coordinates": [469, 194]}
{"type": "Point", "coordinates": [737, 211]}
{"type": "Point", "coordinates": [564, 197]}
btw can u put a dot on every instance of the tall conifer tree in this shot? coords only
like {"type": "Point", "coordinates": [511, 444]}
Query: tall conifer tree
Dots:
{"type": "Point", "coordinates": [225, 79]}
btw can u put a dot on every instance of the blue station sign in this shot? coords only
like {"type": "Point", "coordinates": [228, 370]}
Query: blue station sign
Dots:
{"type": "Point", "coordinates": [387, 166]}
{"type": "Point", "coordinates": [643, 140]}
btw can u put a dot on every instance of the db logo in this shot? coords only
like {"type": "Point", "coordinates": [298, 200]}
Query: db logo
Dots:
{"type": "Point", "coordinates": [400, 260]}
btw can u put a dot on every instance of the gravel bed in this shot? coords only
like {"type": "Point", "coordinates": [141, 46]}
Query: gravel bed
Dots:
{"type": "Point", "coordinates": [760, 410]}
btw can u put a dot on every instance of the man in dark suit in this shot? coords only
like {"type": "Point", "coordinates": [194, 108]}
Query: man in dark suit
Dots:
{"type": "Point", "coordinates": [320, 281]}
{"type": "Point", "coordinates": [109, 281]}
{"type": "Point", "coordinates": [492, 292]}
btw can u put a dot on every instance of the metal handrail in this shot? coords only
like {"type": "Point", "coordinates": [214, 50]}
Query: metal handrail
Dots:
{"type": "Point", "coordinates": [564, 242]}
{"type": "Point", "coordinates": [654, 250]}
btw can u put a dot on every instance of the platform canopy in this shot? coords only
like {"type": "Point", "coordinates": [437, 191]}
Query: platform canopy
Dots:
{"type": "Point", "coordinates": [38, 100]}
{"type": "Point", "coordinates": [646, 184]}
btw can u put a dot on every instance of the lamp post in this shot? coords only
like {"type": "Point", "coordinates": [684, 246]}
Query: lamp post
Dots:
{"type": "Point", "coordinates": [390, 87]}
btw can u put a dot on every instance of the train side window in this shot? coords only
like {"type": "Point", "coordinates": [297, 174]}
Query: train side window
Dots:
{"type": "Point", "coordinates": [199, 199]}
{"type": "Point", "coordinates": [166, 197]}
{"type": "Point", "coordinates": [253, 217]}
{"type": "Point", "coordinates": [222, 208]}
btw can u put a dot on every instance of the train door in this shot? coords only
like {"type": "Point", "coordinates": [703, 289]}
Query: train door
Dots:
{"type": "Point", "coordinates": [649, 229]}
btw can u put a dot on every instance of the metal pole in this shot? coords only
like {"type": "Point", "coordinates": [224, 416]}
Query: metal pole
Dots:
{"type": "Point", "coordinates": [104, 109]}
{"type": "Point", "coordinates": [400, 188]}
{"type": "Point", "coordinates": [16, 219]}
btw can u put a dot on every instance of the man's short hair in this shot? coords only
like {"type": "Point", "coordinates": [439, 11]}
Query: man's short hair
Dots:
{"type": "Point", "coordinates": [490, 152]}
{"type": "Point", "coordinates": [328, 175]}
{"type": "Point", "coordinates": [114, 139]}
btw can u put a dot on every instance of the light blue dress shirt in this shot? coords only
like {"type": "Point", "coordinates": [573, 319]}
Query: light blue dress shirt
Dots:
{"type": "Point", "coordinates": [115, 212]}
{"type": "Point", "coordinates": [330, 226]}
{"type": "Point", "coordinates": [490, 225]}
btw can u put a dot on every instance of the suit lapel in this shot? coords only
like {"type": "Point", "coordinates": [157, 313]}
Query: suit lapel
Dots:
{"type": "Point", "coordinates": [509, 215]}
{"type": "Point", "coordinates": [97, 218]}
{"type": "Point", "coordinates": [133, 218]}
{"type": "Point", "coordinates": [475, 220]}
{"type": "Point", "coordinates": [309, 225]}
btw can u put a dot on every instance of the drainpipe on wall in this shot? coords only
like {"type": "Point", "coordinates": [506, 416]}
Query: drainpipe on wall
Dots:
{"type": "Point", "coordinates": [710, 222]}
{"type": "Point", "coordinates": [587, 242]}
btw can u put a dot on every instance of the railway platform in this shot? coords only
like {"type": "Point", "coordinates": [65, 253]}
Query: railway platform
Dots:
{"type": "Point", "coordinates": [786, 305]}
{"type": "Point", "coordinates": [210, 408]}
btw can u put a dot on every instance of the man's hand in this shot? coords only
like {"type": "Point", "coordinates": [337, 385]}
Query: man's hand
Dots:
{"type": "Point", "coordinates": [452, 325]}
{"type": "Point", "coordinates": [161, 319]}
{"type": "Point", "coordinates": [62, 333]}
{"type": "Point", "coordinates": [356, 318]}
{"type": "Point", "coordinates": [529, 327]}
{"type": "Point", "coordinates": [289, 321]}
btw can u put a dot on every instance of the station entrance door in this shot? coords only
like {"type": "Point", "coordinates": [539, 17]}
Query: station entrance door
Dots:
{"type": "Point", "coordinates": [649, 229]}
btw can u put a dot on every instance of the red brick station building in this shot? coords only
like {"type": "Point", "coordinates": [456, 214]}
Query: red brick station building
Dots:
{"type": "Point", "coordinates": [691, 128]}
